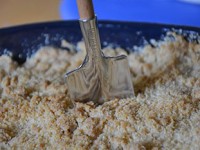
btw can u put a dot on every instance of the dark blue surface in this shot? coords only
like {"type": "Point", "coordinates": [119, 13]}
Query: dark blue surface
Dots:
{"type": "Point", "coordinates": [156, 11]}
{"type": "Point", "coordinates": [24, 40]}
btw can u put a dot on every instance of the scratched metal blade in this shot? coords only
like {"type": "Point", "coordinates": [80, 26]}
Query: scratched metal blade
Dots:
{"type": "Point", "coordinates": [99, 78]}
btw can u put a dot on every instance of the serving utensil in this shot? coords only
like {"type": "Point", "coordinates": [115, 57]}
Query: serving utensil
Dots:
{"type": "Point", "coordinates": [99, 78]}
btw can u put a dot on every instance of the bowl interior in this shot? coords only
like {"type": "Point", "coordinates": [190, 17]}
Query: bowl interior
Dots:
{"type": "Point", "coordinates": [22, 41]}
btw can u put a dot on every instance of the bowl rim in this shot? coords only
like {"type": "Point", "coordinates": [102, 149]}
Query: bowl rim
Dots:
{"type": "Point", "coordinates": [50, 24]}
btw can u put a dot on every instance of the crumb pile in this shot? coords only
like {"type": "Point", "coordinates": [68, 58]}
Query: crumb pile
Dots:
{"type": "Point", "coordinates": [37, 113]}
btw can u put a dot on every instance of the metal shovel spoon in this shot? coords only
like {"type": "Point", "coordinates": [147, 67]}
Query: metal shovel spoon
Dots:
{"type": "Point", "coordinates": [99, 78]}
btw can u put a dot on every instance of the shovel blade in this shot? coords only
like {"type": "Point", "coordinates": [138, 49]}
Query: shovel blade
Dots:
{"type": "Point", "coordinates": [99, 83]}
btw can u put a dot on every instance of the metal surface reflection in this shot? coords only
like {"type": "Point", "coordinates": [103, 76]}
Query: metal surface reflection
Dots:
{"type": "Point", "coordinates": [99, 78]}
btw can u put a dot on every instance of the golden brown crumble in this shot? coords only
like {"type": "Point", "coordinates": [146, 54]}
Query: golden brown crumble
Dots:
{"type": "Point", "coordinates": [37, 113]}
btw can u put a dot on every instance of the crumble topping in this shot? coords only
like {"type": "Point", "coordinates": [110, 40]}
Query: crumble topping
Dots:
{"type": "Point", "coordinates": [37, 113]}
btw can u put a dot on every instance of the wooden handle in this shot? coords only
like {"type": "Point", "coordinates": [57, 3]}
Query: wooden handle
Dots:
{"type": "Point", "coordinates": [85, 8]}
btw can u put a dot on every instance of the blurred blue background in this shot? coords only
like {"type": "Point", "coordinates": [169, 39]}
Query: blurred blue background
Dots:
{"type": "Point", "coordinates": [156, 11]}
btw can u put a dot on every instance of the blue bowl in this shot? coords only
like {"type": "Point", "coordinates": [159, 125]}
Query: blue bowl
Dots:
{"type": "Point", "coordinates": [25, 40]}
